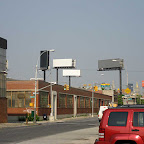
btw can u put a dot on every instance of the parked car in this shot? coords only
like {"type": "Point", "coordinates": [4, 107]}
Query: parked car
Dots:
{"type": "Point", "coordinates": [122, 125]}
{"type": "Point", "coordinates": [101, 110]}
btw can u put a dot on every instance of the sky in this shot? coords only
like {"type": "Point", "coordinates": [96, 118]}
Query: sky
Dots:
{"type": "Point", "coordinates": [84, 30]}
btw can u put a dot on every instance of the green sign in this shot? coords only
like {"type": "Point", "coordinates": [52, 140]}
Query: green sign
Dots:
{"type": "Point", "coordinates": [32, 96]}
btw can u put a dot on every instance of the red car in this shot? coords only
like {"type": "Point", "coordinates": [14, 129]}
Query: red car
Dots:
{"type": "Point", "coordinates": [122, 125]}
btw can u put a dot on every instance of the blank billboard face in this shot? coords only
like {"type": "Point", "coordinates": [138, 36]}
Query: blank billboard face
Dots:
{"type": "Point", "coordinates": [110, 64]}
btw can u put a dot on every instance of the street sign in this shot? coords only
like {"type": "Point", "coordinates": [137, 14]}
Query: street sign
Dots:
{"type": "Point", "coordinates": [36, 93]}
{"type": "Point", "coordinates": [32, 96]}
{"type": "Point", "coordinates": [127, 95]}
{"type": "Point", "coordinates": [127, 90]}
{"type": "Point", "coordinates": [129, 98]}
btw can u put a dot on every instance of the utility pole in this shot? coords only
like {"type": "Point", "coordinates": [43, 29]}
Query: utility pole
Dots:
{"type": "Point", "coordinates": [92, 99]}
{"type": "Point", "coordinates": [51, 117]}
{"type": "Point", "coordinates": [120, 75]}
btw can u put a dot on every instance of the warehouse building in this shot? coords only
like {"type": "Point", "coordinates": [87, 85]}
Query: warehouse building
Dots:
{"type": "Point", "coordinates": [66, 103]}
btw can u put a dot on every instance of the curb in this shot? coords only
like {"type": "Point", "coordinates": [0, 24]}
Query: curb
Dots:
{"type": "Point", "coordinates": [30, 123]}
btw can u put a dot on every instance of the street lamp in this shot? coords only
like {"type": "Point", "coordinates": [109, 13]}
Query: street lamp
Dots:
{"type": "Point", "coordinates": [52, 50]}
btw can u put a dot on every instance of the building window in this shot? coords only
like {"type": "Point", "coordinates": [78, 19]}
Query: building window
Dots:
{"type": "Point", "coordinates": [106, 102]}
{"type": "Point", "coordinates": [87, 104]}
{"type": "Point", "coordinates": [99, 102]}
{"type": "Point", "coordinates": [8, 99]}
{"type": "Point", "coordinates": [27, 98]}
{"type": "Point", "coordinates": [78, 102]}
{"type": "Point", "coordinates": [69, 101]}
{"type": "Point", "coordinates": [43, 99]}
{"type": "Point", "coordinates": [62, 100]}
{"type": "Point", "coordinates": [95, 102]}
{"type": "Point", "coordinates": [18, 98]}
{"type": "Point", "coordinates": [81, 102]}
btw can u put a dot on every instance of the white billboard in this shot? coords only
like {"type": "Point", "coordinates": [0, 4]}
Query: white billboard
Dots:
{"type": "Point", "coordinates": [72, 73]}
{"type": "Point", "coordinates": [64, 63]}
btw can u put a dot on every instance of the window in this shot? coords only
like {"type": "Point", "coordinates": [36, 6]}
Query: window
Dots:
{"type": "Point", "coordinates": [99, 102]}
{"type": "Point", "coordinates": [81, 102]}
{"type": "Point", "coordinates": [87, 104]}
{"type": "Point", "coordinates": [27, 98]}
{"type": "Point", "coordinates": [62, 100]}
{"type": "Point", "coordinates": [138, 119]}
{"type": "Point", "coordinates": [8, 99]}
{"type": "Point", "coordinates": [117, 119]}
{"type": "Point", "coordinates": [78, 102]}
{"type": "Point", "coordinates": [43, 99]}
{"type": "Point", "coordinates": [18, 98]}
{"type": "Point", "coordinates": [95, 102]}
{"type": "Point", "coordinates": [70, 101]}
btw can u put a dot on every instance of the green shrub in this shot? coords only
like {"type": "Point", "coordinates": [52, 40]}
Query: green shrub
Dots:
{"type": "Point", "coordinates": [21, 118]}
{"type": "Point", "coordinates": [30, 118]}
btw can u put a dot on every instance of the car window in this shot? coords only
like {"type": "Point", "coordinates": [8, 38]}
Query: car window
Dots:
{"type": "Point", "coordinates": [117, 119]}
{"type": "Point", "coordinates": [138, 119]}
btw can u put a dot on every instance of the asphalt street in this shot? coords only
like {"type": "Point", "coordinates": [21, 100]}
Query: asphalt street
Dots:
{"type": "Point", "coordinates": [21, 134]}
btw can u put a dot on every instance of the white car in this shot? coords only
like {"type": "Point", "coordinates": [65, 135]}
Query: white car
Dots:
{"type": "Point", "coordinates": [101, 110]}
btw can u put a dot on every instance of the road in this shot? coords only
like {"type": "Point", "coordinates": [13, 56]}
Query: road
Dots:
{"type": "Point", "coordinates": [54, 131]}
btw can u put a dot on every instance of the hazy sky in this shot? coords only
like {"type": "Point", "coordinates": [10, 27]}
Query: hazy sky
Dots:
{"type": "Point", "coordinates": [85, 30]}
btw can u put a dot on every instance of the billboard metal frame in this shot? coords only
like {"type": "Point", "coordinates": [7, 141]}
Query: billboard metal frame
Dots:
{"type": "Point", "coordinates": [112, 64]}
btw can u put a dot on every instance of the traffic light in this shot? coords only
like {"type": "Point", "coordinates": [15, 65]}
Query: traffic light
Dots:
{"type": "Point", "coordinates": [95, 88]}
{"type": "Point", "coordinates": [67, 87]}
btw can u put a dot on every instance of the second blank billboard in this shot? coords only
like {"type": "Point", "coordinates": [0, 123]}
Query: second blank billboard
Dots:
{"type": "Point", "coordinates": [72, 73]}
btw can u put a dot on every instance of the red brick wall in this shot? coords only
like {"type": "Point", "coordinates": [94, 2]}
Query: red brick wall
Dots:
{"type": "Point", "coordinates": [30, 85]}
{"type": "Point", "coordinates": [16, 85]}
{"type": "Point", "coordinates": [42, 111]}
{"type": "Point", "coordinates": [3, 110]}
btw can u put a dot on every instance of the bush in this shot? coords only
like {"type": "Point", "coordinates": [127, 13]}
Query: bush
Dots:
{"type": "Point", "coordinates": [30, 118]}
{"type": "Point", "coordinates": [120, 100]}
{"type": "Point", "coordinates": [21, 118]}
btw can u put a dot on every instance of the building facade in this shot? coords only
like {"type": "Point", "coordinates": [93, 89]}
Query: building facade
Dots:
{"type": "Point", "coordinates": [75, 101]}
{"type": "Point", "coordinates": [3, 101]}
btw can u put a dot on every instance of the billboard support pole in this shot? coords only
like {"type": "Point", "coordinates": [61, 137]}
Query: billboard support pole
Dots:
{"type": "Point", "coordinates": [120, 75]}
{"type": "Point", "coordinates": [57, 75]}
{"type": "Point", "coordinates": [92, 99]}
{"type": "Point", "coordinates": [69, 81]}
{"type": "Point", "coordinates": [44, 74]}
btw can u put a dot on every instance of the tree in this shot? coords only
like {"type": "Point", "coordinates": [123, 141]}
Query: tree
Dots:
{"type": "Point", "coordinates": [138, 100]}
{"type": "Point", "coordinates": [120, 100]}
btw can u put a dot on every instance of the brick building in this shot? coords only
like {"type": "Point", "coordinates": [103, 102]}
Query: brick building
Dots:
{"type": "Point", "coordinates": [3, 100]}
{"type": "Point", "coordinates": [73, 102]}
